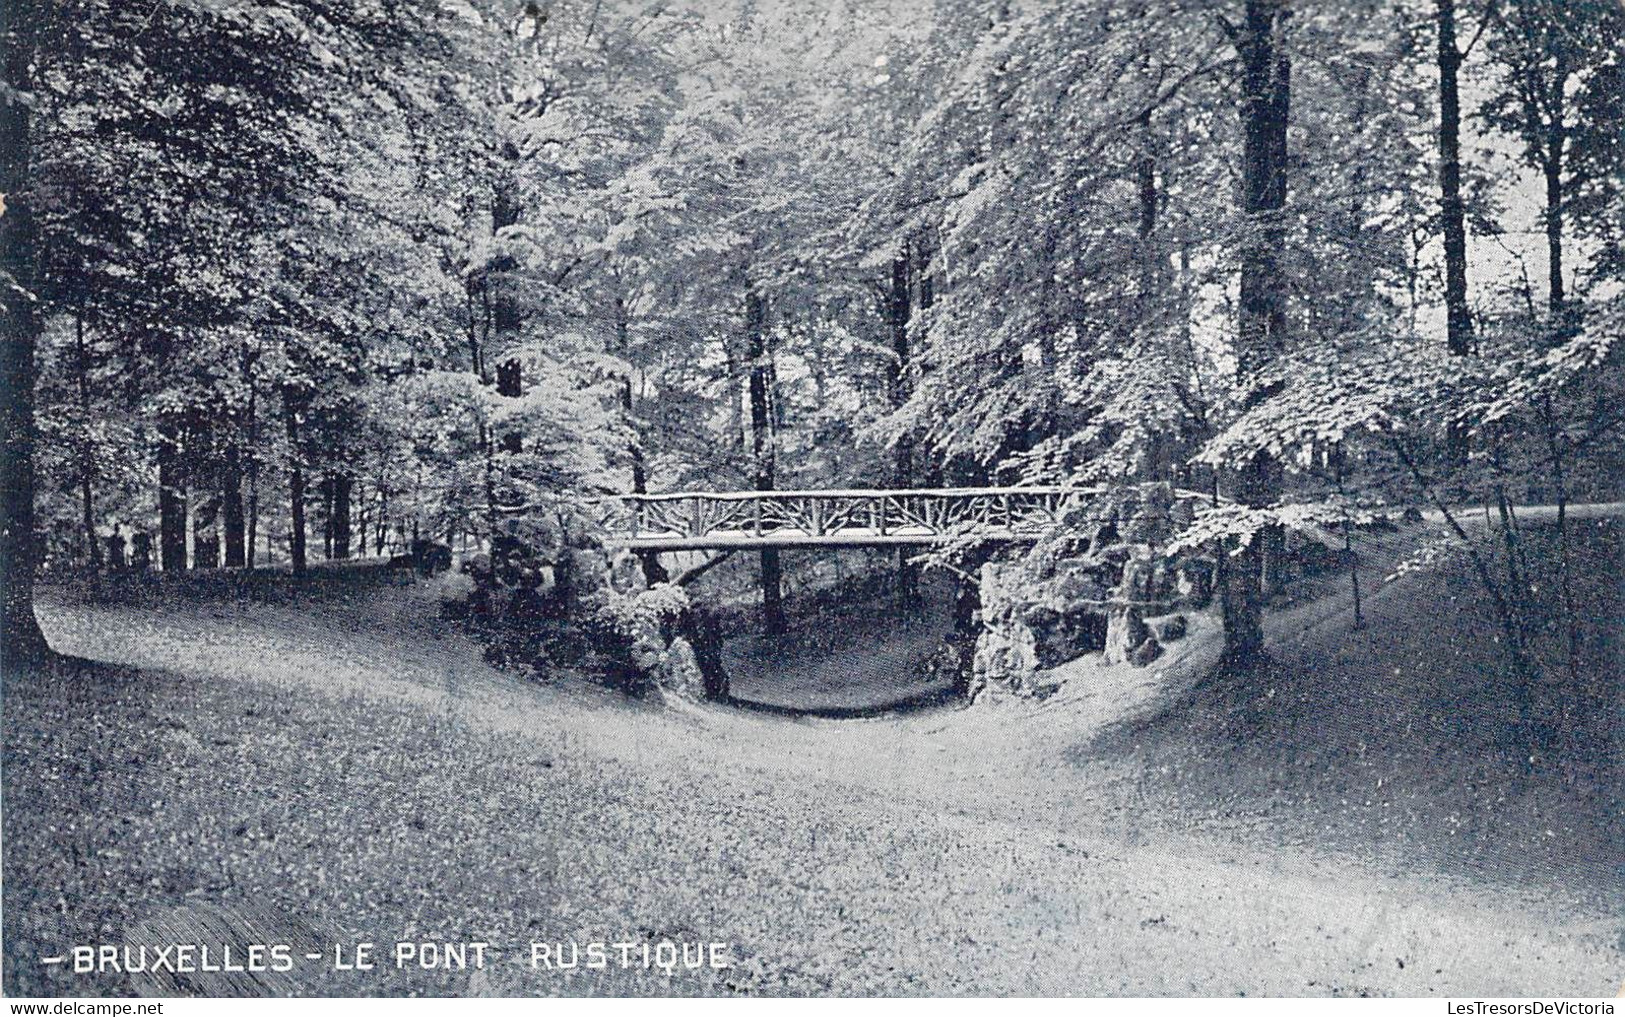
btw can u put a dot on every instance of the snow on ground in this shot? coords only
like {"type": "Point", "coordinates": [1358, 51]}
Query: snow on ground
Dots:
{"type": "Point", "coordinates": [342, 760]}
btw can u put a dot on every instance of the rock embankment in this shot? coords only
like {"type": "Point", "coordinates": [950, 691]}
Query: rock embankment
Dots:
{"type": "Point", "coordinates": [1107, 584]}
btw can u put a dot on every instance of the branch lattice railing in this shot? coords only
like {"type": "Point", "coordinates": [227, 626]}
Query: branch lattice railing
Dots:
{"type": "Point", "coordinates": [857, 518]}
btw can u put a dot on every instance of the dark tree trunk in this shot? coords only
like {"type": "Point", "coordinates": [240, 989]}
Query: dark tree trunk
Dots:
{"type": "Point", "coordinates": [171, 501]}
{"type": "Point", "coordinates": [510, 383]}
{"type": "Point", "coordinates": [1266, 99]}
{"type": "Point", "coordinates": [1151, 269]}
{"type": "Point", "coordinates": [325, 486]}
{"type": "Point", "coordinates": [253, 477]}
{"type": "Point", "coordinates": [1145, 180]}
{"type": "Point", "coordinates": [340, 485]}
{"type": "Point", "coordinates": [87, 499]}
{"type": "Point", "coordinates": [1458, 320]}
{"type": "Point", "coordinates": [231, 508]}
{"type": "Point", "coordinates": [363, 518]}
{"type": "Point", "coordinates": [762, 450]}
{"type": "Point", "coordinates": [1552, 170]}
{"type": "Point", "coordinates": [21, 641]}
{"type": "Point", "coordinates": [897, 318]}
{"type": "Point", "coordinates": [653, 571]}
{"type": "Point", "coordinates": [736, 391]}
{"type": "Point", "coordinates": [296, 490]}
{"type": "Point", "coordinates": [206, 535]}
{"type": "Point", "coordinates": [968, 628]}
{"type": "Point", "coordinates": [623, 348]}
{"type": "Point", "coordinates": [87, 463]}
{"type": "Point", "coordinates": [505, 315]}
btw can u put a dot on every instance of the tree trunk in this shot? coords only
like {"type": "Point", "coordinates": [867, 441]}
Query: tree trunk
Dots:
{"type": "Point", "coordinates": [231, 507]}
{"type": "Point", "coordinates": [171, 501]}
{"type": "Point", "coordinates": [87, 465]}
{"type": "Point", "coordinates": [1266, 90]}
{"type": "Point", "coordinates": [897, 318]}
{"type": "Point", "coordinates": [505, 316]}
{"type": "Point", "coordinates": [1552, 169]}
{"type": "Point", "coordinates": [1339, 466]}
{"type": "Point", "coordinates": [87, 499]}
{"type": "Point", "coordinates": [206, 535]}
{"type": "Point", "coordinates": [1458, 320]}
{"type": "Point", "coordinates": [510, 383]}
{"type": "Point", "coordinates": [653, 571]}
{"type": "Point", "coordinates": [296, 491]}
{"type": "Point", "coordinates": [363, 518]}
{"type": "Point", "coordinates": [1150, 266]}
{"type": "Point", "coordinates": [326, 488]}
{"type": "Point", "coordinates": [21, 641]}
{"type": "Point", "coordinates": [341, 485]}
{"type": "Point", "coordinates": [762, 450]}
{"type": "Point", "coordinates": [736, 394]}
{"type": "Point", "coordinates": [253, 476]}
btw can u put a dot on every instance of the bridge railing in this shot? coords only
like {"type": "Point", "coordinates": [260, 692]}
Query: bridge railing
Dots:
{"type": "Point", "coordinates": [854, 517]}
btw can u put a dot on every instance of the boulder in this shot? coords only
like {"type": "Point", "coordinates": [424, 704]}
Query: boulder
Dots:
{"type": "Point", "coordinates": [1125, 630]}
{"type": "Point", "coordinates": [626, 574]}
{"type": "Point", "coordinates": [1148, 514]}
{"type": "Point", "coordinates": [1058, 637]}
{"type": "Point", "coordinates": [1145, 653]}
{"type": "Point", "coordinates": [655, 639]}
{"type": "Point", "coordinates": [1006, 649]}
{"type": "Point", "coordinates": [1078, 586]}
{"type": "Point", "coordinates": [1003, 663]}
{"type": "Point", "coordinates": [1029, 626]}
{"type": "Point", "coordinates": [1193, 581]}
{"type": "Point", "coordinates": [431, 556]}
{"type": "Point", "coordinates": [1168, 628]}
{"type": "Point", "coordinates": [1089, 588]}
{"type": "Point", "coordinates": [1147, 580]}
{"type": "Point", "coordinates": [676, 672]}
{"type": "Point", "coordinates": [1137, 581]}
{"type": "Point", "coordinates": [1163, 587]}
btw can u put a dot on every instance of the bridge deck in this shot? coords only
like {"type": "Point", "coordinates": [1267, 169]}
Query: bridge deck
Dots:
{"type": "Point", "coordinates": [733, 520]}
{"type": "Point", "coordinates": [733, 540]}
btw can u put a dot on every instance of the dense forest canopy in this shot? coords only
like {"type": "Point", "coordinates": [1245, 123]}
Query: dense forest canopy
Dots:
{"type": "Point", "coordinates": [309, 278]}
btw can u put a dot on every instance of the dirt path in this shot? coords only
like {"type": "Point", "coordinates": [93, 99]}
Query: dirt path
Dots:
{"type": "Point", "coordinates": [391, 784]}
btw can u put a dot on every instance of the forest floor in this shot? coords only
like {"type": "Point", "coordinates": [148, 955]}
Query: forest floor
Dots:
{"type": "Point", "coordinates": [859, 655]}
{"type": "Point", "coordinates": [328, 762]}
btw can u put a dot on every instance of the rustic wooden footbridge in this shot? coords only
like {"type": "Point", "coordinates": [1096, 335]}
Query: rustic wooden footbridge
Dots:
{"type": "Point", "coordinates": [735, 520]}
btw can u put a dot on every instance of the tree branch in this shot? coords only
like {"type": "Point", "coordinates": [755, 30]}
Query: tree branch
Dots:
{"type": "Point", "coordinates": [701, 569]}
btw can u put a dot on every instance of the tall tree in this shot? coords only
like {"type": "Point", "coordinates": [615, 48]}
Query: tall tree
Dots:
{"type": "Point", "coordinates": [1554, 58]}
{"type": "Point", "coordinates": [21, 640]}
{"type": "Point", "coordinates": [1452, 210]}
{"type": "Point", "coordinates": [762, 448]}
{"type": "Point", "coordinates": [1266, 104]}
{"type": "Point", "coordinates": [898, 311]}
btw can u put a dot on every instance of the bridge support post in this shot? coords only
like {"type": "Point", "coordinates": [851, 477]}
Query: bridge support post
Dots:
{"type": "Point", "coordinates": [908, 580]}
{"type": "Point", "coordinates": [773, 622]}
{"type": "Point", "coordinates": [653, 571]}
{"type": "Point", "coordinates": [967, 627]}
